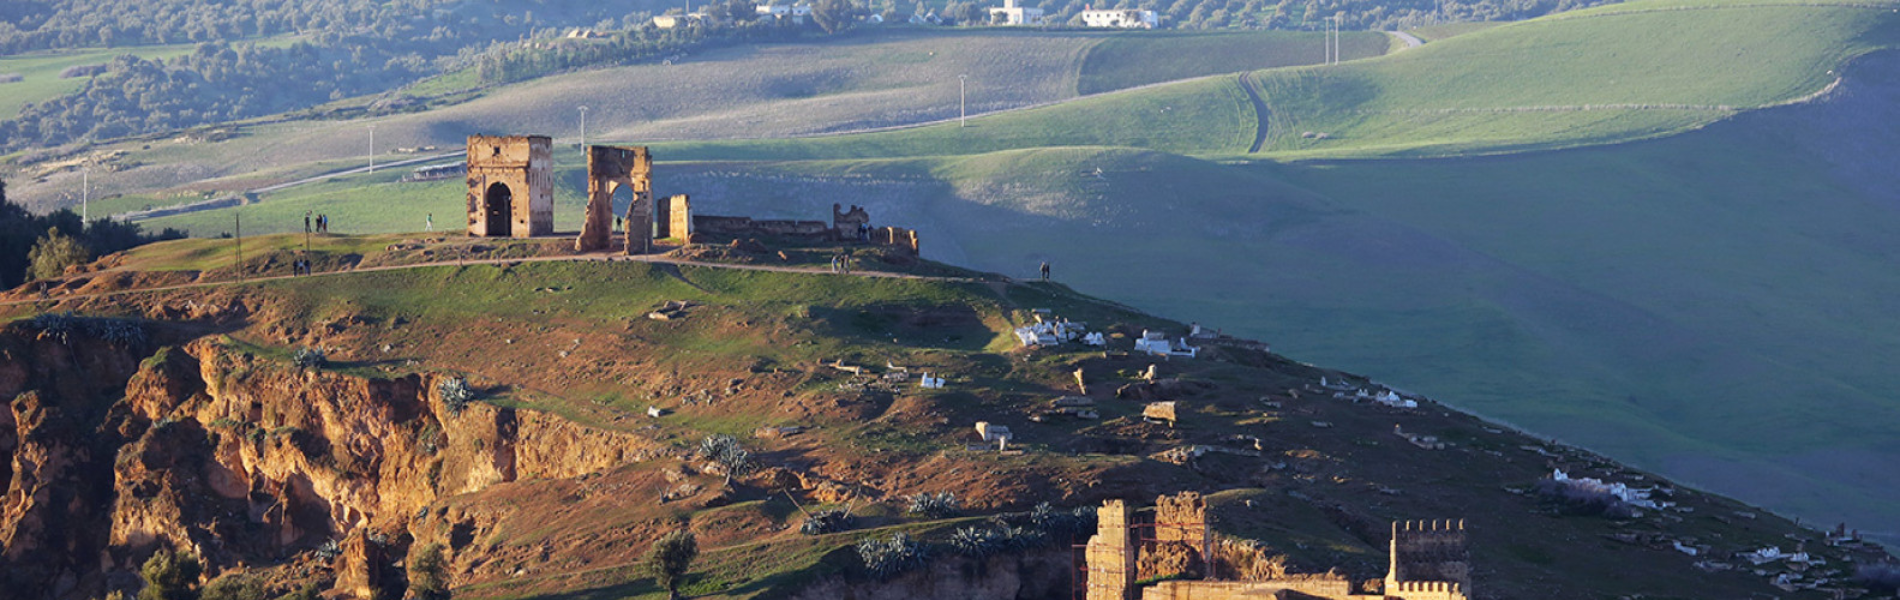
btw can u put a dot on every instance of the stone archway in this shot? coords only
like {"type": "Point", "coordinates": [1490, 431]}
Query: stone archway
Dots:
{"type": "Point", "coordinates": [522, 165]}
{"type": "Point", "coordinates": [498, 206]}
{"type": "Point", "coordinates": [610, 169]}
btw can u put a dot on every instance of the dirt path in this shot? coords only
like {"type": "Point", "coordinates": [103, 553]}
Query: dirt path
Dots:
{"type": "Point", "coordinates": [1411, 41]}
{"type": "Point", "coordinates": [1260, 111]}
{"type": "Point", "coordinates": [595, 257]}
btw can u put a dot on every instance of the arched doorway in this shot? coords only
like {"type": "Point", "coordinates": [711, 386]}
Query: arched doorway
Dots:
{"type": "Point", "coordinates": [622, 198]}
{"type": "Point", "coordinates": [499, 202]}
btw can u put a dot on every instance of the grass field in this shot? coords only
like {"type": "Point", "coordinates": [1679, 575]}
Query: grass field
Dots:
{"type": "Point", "coordinates": [1135, 59]}
{"type": "Point", "coordinates": [1616, 73]}
{"type": "Point", "coordinates": [1438, 32]}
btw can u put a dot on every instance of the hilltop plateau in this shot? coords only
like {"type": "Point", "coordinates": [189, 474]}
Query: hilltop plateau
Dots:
{"type": "Point", "coordinates": [158, 384]}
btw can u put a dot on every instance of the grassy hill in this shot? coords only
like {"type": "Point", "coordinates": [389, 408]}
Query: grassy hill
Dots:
{"type": "Point", "coordinates": [1608, 74]}
{"type": "Point", "coordinates": [1586, 225]}
{"type": "Point", "coordinates": [754, 349]}
{"type": "Point", "coordinates": [39, 72]}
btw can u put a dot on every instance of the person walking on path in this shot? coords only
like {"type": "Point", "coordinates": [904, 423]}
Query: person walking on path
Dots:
{"type": "Point", "coordinates": [306, 221]}
{"type": "Point", "coordinates": [429, 225]}
{"type": "Point", "coordinates": [1045, 270]}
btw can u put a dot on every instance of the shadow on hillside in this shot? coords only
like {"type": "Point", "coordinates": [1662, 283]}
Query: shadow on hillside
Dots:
{"type": "Point", "coordinates": [950, 327]}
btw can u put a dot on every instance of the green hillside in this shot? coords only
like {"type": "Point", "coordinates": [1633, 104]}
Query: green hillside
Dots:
{"type": "Point", "coordinates": [1616, 245]}
{"type": "Point", "coordinates": [1315, 479]}
{"type": "Point", "coordinates": [39, 72]}
{"type": "Point", "coordinates": [1609, 74]}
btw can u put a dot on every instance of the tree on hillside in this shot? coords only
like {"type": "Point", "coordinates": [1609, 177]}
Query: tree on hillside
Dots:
{"type": "Point", "coordinates": [670, 558]}
{"type": "Point", "coordinates": [20, 232]}
{"type": "Point", "coordinates": [429, 574]}
{"type": "Point", "coordinates": [742, 11]}
{"type": "Point", "coordinates": [234, 587]}
{"type": "Point", "coordinates": [170, 576]}
{"type": "Point", "coordinates": [726, 451]}
{"type": "Point", "coordinates": [834, 15]}
{"type": "Point", "coordinates": [54, 253]}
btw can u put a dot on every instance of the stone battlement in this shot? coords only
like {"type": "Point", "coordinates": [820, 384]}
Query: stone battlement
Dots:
{"type": "Point", "coordinates": [1429, 560]}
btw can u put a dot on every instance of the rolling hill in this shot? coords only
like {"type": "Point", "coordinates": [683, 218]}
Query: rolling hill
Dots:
{"type": "Point", "coordinates": [551, 475]}
{"type": "Point", "coordinates": [1656, 229]}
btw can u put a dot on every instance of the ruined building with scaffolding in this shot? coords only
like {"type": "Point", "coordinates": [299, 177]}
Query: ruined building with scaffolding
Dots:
{"type": "Point", "coordinates": [1428, 561]}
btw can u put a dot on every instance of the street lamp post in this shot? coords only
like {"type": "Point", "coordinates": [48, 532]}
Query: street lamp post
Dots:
{"type": "Point", "coordinates": [372, 149]}
{"type": "Point", "coordinates": [583, 129]}
{"type": "Point", "coordinates": [962, 102]}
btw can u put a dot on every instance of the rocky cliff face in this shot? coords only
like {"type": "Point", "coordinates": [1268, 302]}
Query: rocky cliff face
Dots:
{"type": "Point", "coordinates": [243, 460]}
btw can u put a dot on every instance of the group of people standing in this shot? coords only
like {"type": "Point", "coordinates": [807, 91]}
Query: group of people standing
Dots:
{"type": "Point", "coordinates": [322, 223]}
{"type": "Point", "coordinates": [841, 263]}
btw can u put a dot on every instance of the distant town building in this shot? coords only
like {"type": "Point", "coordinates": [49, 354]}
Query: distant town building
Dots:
{"type": "Point", "coordinates": [1121, 18]}
{"type": "Point", "coordinates": [685, 20]}
{"type": "Point", "coordinates": [1013, 14]}
{"type": "Point", "coordinates": [796, 12]}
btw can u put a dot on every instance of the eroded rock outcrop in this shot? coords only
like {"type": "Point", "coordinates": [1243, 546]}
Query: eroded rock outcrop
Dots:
{"type": "Point", "coordinates": [246, 460]}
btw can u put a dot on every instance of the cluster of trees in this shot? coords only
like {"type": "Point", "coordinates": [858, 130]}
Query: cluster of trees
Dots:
{"type": "Point", "coordinates": [41, 246]}
{"type": "Point", "coordinates": [216, 82]}
{"type": "Point", "coordinates": [46, 24]}
{"type": "Point", "coordinates": [349, 48]}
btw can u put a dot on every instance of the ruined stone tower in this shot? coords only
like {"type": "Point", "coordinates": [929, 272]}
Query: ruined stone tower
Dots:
{"type": "Point", "coordinates": [1183, 518]}
{"type": "Point", "coordinates": [610, 168]}
{"type": "Point", "coordinates": [510, 186]}
{"type": "Point", "coordinates": [1428, 558]}
{"type": "Point", "coordinates": [1111, 554]}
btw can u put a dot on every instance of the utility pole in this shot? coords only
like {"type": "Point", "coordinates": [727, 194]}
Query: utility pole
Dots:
{"type": "Point", "coordinates": [372, 149]}
{"type": "Point", "coordinates": [237, 223]}
{"type": "Point", "coordinates": [85, 196]}
{"type": "Point", "coordinates": [583, 129]}
{"type": "Point", "coordinates": [1333, 39]}
{"type": "Point", "coordinates": [962, 112]}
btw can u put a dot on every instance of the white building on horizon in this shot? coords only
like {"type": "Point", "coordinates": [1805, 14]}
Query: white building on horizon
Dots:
{"type": "Point", "coordinates": [1013, 14]}
{"type": "Point", "coordinates": [1124, 18]}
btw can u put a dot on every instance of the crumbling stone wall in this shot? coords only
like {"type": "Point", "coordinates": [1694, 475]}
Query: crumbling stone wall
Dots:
{"type": "Point", "coordinates": [1182, 518]}
{"type": "Point", "coordinates": [1429, 561]}
{"type": "Point", "coordinates": [608, 169]}
{"type": "Point", "coordinates": [750, 227]}
{"type": "Point", "coordinates": [847, 222]}
{"type": "Point", "coordinates": [896, 237]}
{"type": "Point", "coordinates": [510, 186]}
{"type": "Point", "coordinates": [1428, 551]}
{"type": "Point", "coordinates": [676, 217]}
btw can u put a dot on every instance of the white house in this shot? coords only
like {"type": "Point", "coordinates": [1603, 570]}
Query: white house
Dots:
{"type": "Point", "coordinates": [1012, 14]}
{"type": "Point", "coordinates": [1122, 18]}
{"type": "Point", "coordinates": [796, 12]}
{"type": "Point", "coordinates": [686, 20]}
